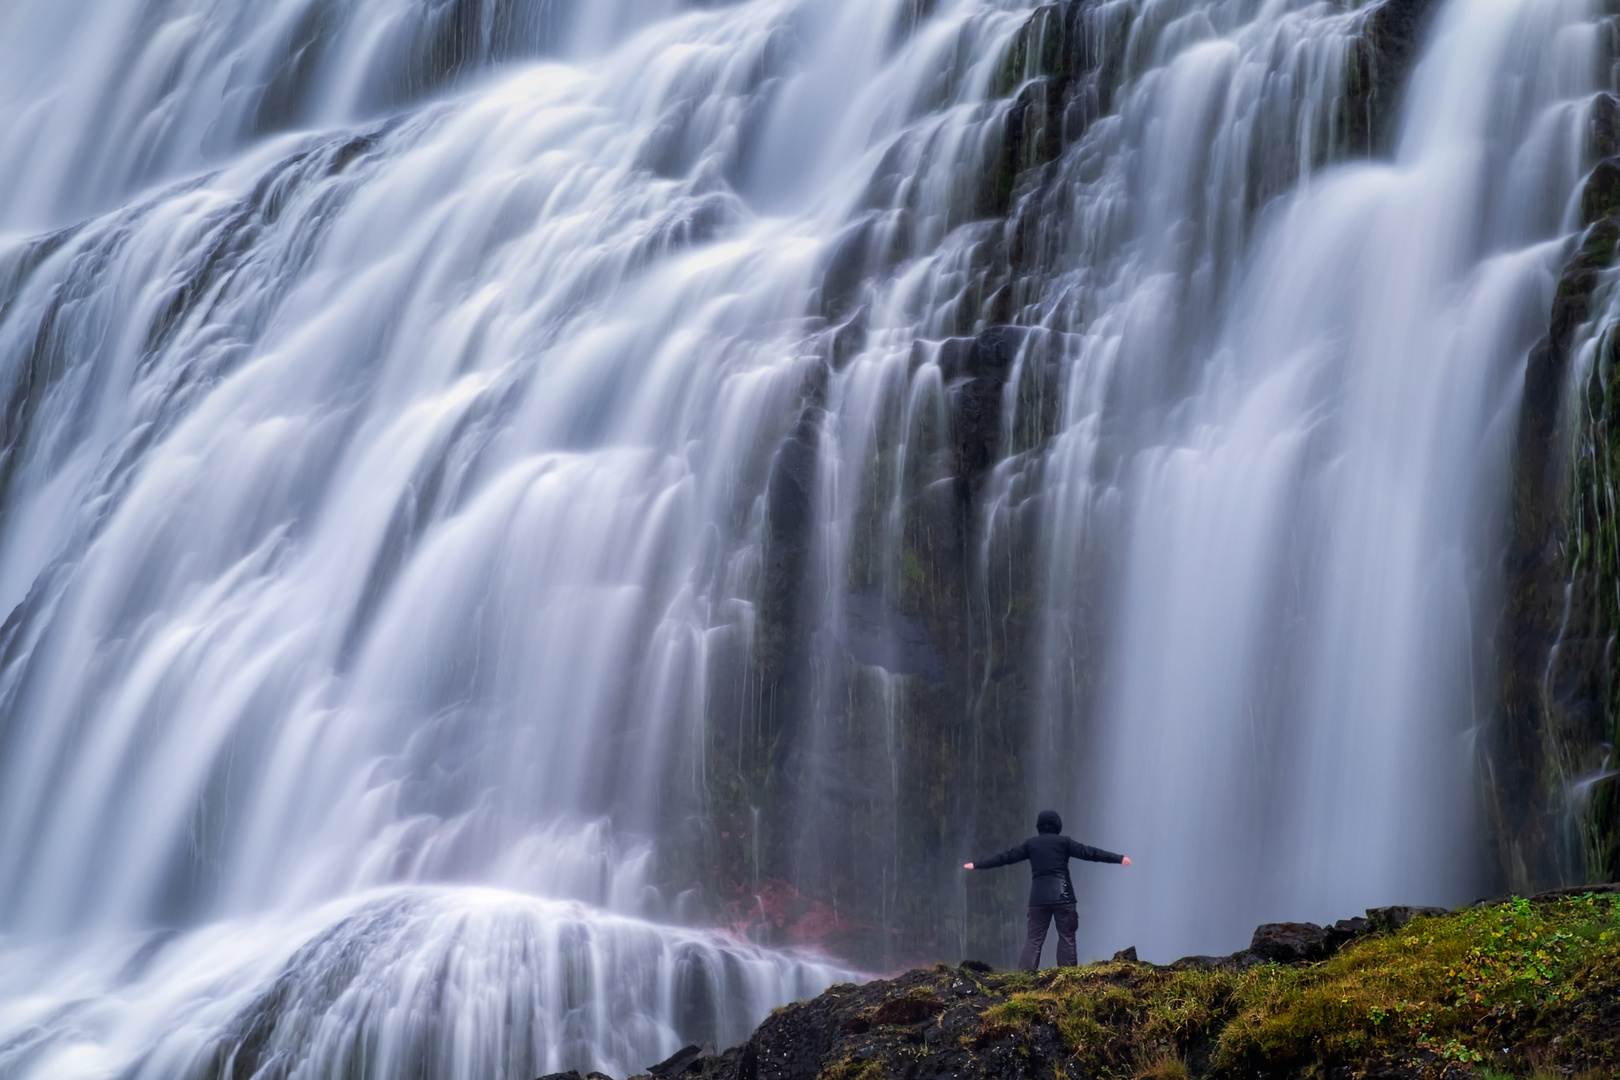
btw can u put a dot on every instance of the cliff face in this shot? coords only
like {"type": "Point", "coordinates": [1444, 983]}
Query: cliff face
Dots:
{"type": "Point", "coordinates": [884, 713]}
{"type": "Point", "coordinates": [1501, 990]}
{"type": "Point", "coordinates": [1549, 764]}
{"type": "Point", "coordinates": [884, 717]}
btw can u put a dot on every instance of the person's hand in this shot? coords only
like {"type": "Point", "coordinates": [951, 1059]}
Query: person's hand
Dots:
{"type": "Point", "coordinates": [967, 866]}
{"type": "Point", "coordinates": [1126, 861]}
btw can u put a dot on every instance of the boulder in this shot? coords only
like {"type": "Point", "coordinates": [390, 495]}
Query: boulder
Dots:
{"type": "Point", "coordinates": [1287, 943]}
{"type": "Point", "coordinates": [1393, 918]}
{"type": "Point", "coordinates": [1345, 931]}
{"type": "Point", "coordinates": [686, 1059]}
{"type": "Point", "coordinates": [1203, 963]}
{"type": "Point", "coordinates": [1126, 956]}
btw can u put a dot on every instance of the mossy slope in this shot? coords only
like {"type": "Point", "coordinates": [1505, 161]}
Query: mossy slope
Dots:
{"type": "Point", "coordinates": [1515, 989]}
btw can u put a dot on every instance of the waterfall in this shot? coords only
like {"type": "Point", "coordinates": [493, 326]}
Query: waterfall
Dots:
{"type": "Point", "coordinates": [1308, 526]}
{"type": "Point", "coordinates": [537, 531]}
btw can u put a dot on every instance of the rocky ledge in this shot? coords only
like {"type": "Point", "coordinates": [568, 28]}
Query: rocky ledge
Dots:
{"type": "Point", "coordinates": [1499, 990]}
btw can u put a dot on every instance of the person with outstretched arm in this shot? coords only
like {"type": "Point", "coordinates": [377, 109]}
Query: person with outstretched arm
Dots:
{"type": "Point", "coordinates": [1051, 893]}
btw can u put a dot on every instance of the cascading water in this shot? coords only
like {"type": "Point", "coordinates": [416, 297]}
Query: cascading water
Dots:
{"type": "Point", "coordinates": [494, 492]}
{"type": "Point", "coordinates": [1300, 648]}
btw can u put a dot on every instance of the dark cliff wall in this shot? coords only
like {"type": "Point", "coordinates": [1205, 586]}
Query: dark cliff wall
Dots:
{"type": "Point", "coordinates": [869, 731]}
{"type": "Point", "coordinates": [1548, 759]}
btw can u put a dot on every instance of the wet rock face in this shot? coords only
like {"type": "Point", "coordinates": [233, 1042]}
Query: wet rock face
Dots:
{"type": "Point", "coordinates": [685, 1060]}
{"type": "Point", "coordinates": [1381, 65]}
{"type": "Point", "coordinates": [1553, 804]}
{"type": "Point", "coordinates": [978, 368]}
{"type": "Point", "coordinates": [919, 638]}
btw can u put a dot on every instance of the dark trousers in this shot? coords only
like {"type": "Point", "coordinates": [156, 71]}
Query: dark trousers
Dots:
{"type": "Point", "coordinates": [1068, 921]}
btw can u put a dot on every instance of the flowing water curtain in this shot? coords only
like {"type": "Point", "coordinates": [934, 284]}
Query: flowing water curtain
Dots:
{"type": "Point", "coordinates": [376, 500]}
{"type": "Point", "coordinates": [1210, 114]}
{"type": "Point", "coordinates": [1300, 655]}
{"type": "Point", "coordinates": [147, 91]}
{"type": "Point", "coordinates": [439, 391]}
{"type": "Point", "coordinates": [1119, 178]}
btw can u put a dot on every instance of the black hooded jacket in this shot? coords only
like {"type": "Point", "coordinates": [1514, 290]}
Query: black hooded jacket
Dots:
{"type": "Point", "coordinates": [1049, 853]}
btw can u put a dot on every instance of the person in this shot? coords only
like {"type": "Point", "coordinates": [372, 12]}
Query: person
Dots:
{"type": "Point", "coordinates": [1051, 893]}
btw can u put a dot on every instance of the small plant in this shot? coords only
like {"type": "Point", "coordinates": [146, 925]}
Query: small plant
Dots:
{"type": "Point", "coordinates": [853, 1070]}
{"type": "Point", "coordinates": [1016, 1012]}
{"type": "Point", "coordinates": [1166, 1066]}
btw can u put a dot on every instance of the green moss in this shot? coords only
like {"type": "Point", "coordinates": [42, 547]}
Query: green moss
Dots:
{"type": "Point", "coordinates": [1458, 987]}
{"type": "Point", "coordinates": [1018, 1011]}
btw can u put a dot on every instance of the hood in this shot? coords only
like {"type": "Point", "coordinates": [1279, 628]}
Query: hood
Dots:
{"type": "Point", "coordinates": [1048, 822]}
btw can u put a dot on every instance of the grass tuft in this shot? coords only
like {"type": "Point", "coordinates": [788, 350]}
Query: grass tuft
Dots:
{"type": "Point", "coordinates": [1167, 1066]}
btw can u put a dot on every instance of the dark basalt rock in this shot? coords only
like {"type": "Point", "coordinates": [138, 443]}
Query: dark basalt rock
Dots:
{"type": "Point", "coordinates": [847, 271]}
{"type": "Point", "coordinates": [1391, 39]}
{"type": "Point", "coordinates": [1287, 943]}
{"type": "Point", "coordinates": [1205, 963]}
{"type": "Point", "coordinates": [789, 516]}
{"type": "Point", "coordinates": [1603, 128]}
{"type": "Point", "coordinates": [1297, 942]}
{"type": "Point", "coordinates": [1601, 197]}
{"type": "Point", "coordinates": [1344, 931]}
{"type": "Point", "coordinates": [979, 367]}
{"type": "Point", "coordinates": [686, 1059]}
{"type": "Point", "coordinates": [1126, 956]}
{"type": "Point", "coordinates": [840, 1033]}
{"type": "Point", "coordinates": [907, 1010]}
{"type": "Point", "coordinates": [1393, 918]}
{"type": "Point", "coordinates": [1558, 675]}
